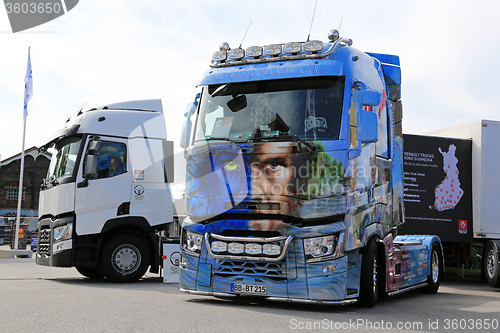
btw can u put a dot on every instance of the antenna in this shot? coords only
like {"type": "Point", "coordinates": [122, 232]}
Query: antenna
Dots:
{"type": "Point", "coordinates": [312, 20]}
{"type": "Point", "coordinates": [340, 23]}
{"type": "Point", "coordinates": [245, 35]}
{"type": "Point", "coordinates": [81, 107]}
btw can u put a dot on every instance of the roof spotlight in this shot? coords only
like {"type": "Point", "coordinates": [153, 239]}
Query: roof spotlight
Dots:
{"type": "Point", "coordinates": [272, 50]}
{"type": "Point", "coordinates": [224, 46]}
{"type": "Point", "coordinates": [333, 35]}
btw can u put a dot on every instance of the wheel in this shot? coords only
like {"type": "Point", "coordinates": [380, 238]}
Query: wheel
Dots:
{"type": "Point", "coordinates": [368, 293]}
{"type": "Point", "coordinates": [491, 266]}
{"type": "Point", "coordinates": [434, 279]}
{"type": "Point", "coordinates": [91, 273]}
{"type": "Point", "coordinates": [125, 259]}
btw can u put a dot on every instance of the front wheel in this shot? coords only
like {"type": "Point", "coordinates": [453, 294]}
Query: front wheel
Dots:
{"type": "Point", "coordinates": [368, 294]}
{"type": "Point", "coordinates": [434, 279]}
{"type": "Point", "coordinates": [491, 266]}
{"type": "Point", "coordinates": [125, 259]}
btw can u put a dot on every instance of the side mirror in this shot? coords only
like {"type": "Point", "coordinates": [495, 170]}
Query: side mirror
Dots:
{"type": "Point", "coordinates": [369, 98]}
{"type": "Point", "coordinates": [368, 120]}
{"type": "Point", "coordinates": [186, 125]}
{"type": "Point", "coordinates": [368, 126]}
{"type": "Point", "coordinates": [90, 166]}
{"type": "Point", "coordinates": [94, 146]}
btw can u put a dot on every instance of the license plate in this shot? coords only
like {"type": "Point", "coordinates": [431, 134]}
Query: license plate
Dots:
{"type": "Point", "coordinates": [249, 288]}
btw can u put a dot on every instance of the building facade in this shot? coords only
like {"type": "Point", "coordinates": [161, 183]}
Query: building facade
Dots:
{"type": "Point", "coordinates": [35, 170]}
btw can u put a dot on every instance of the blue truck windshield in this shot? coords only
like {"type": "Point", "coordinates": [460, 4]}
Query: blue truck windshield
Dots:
{"type": "Point", "coordinates": [309, 108]}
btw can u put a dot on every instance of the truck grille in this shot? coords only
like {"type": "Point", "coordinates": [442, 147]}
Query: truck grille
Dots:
{"type": "Point", "coordinates": [250, 268]}
{"type": "Point", "coordinates": [44, 241]}
{"type": "Point", "coordinates": [44, 235]}
{"type": "Point", "coordinates": [43, 249]}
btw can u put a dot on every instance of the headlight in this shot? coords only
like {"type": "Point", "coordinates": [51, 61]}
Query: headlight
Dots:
{"type": "Point", "coordinates": [192, 241]}
{"type": "Point", "coordinates": [324, 248]}
{"type": "Point", "coordinates": [63, 232]}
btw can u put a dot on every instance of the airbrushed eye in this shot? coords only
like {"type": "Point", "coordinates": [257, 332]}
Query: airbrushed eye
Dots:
{"type": "Point", "coordinates": [230, 166]}
{"type": "Point", "coordinates": [274, 166]}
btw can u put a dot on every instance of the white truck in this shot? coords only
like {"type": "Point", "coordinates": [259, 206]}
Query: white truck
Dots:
{"type": "Point", "coordinates": [107, 192]}
{"type": "Point", "coordinates": [461, 162]}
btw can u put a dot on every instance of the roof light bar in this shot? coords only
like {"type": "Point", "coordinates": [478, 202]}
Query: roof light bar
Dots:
{"type": "Point", "coordinates": [313, 46]}
{"type": "Point", "coordinates": [236, 54]}
{"type": "Point", "coordinates": [255, 51]}
{"type": "Point", "coordinates": [219, 56]}
{"type": "Point", "coordinates": [292, 48]}
{"type": "Point", "coordinates": [272, 50]}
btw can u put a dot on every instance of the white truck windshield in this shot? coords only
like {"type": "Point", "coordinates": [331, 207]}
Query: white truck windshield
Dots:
{"type": "Point", "coordinates": [64, 155]}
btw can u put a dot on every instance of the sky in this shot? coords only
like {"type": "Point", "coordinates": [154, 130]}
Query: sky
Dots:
{"type": "Point", "coordinates": [119, 50]}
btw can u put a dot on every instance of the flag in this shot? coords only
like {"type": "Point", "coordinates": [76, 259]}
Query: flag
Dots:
{"type": "Point", "coordinates": [28, 86]}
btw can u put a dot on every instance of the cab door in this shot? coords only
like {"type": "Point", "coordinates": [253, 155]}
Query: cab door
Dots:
{"type": "Point", "coordinates": [106, 195]}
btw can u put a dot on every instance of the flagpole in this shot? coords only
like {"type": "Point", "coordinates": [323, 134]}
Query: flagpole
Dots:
{"type": "Point", "coordinates": [20, 195]}
{"type": "Point", "coordinates": [28, 93]}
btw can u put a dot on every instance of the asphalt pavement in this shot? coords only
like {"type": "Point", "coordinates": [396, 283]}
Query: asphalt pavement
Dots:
{"type": "Point", "coordinates": [46, 299]}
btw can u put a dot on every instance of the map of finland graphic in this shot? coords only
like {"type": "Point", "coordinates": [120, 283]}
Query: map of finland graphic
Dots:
{"type": "Point", "coordinates": [448, 193]}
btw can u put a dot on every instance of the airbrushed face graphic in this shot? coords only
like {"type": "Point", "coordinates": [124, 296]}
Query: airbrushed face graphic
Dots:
{"type": "Point", "coordinates": [270, 177]}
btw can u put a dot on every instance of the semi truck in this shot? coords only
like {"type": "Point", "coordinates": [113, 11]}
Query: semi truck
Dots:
{"type": "Point", "coordinates": [294, 178]}
{"type": "Point", "coordinates": [107, 194]}
{"type": "Point", "coordinates": [451, 189]}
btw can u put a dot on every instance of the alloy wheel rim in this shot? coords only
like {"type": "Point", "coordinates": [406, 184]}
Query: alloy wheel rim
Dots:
{"type": "Point", "coordinates": [126, 259]}
{"type": "Point", "coordinates": [491, 264]}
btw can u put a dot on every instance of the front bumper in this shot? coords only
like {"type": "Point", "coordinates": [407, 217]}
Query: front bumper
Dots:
{"type": "Point", "coordinates": [290, 280]}
{"type": "Point", "coordinates": [277, 299]}
{"type": "Point", "coordinates": [49, 252]}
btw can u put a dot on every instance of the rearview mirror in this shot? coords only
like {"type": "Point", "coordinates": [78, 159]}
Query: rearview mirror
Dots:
{"type": "Point", "coordinates": [238, 103]}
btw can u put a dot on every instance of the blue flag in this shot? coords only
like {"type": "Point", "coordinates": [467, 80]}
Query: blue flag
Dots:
{"type": "Point", "coordinates": [28, 86]}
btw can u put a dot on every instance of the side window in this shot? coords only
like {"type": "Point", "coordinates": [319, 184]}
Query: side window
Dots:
{"type": "Point", "coordinates": [111, 159]}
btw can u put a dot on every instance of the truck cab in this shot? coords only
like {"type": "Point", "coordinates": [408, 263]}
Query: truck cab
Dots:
{"type": "Point", "coordinates": [294, 177]}
{"type": "Point", "coordinates": [107, 192]}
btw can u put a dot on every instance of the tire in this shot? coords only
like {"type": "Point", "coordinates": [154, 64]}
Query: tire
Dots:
{"type": "Point", "coordinates": [90, 273]}
{"type": "Point", "coordinates": [369, 284]}
{"type": "Point", "coordinates": [125, 259]}
{"type": "Point", "coordinates": [491, 266]}
{"type": "Point", "coordinates": [436, 263]}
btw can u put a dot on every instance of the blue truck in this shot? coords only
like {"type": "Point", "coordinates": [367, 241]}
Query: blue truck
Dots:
{"type": "Point", "coordinates": [294, 178]}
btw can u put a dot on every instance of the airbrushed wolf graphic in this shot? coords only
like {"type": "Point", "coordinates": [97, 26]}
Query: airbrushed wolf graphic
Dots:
{"type": "Point", "coordinates": [26, 14]}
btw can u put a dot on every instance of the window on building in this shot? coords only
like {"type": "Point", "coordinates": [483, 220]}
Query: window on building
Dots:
{"type": "Point", "coordinates": [13, 193]}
